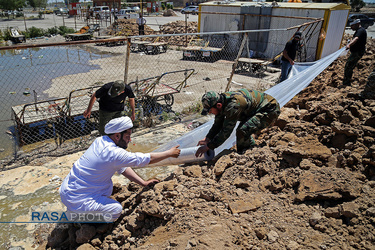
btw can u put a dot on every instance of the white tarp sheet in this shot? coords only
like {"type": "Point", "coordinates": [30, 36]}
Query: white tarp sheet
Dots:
{"type": "Point", "coordinates": [300, 77]}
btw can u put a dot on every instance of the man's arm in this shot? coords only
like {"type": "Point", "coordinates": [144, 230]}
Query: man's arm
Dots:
{"type": "Point", "coordinates": [285, 54]}
{"type": "Point", "coordinates": [87, 112]}
{"type": "Point", "coordinates": [132, 107]}
{"type": "Point", "coordinates": [352, 42]}
{"type": "Point", "coordinates": [132, 176]}
{"type": "Point", "coordinates": [159, 156]}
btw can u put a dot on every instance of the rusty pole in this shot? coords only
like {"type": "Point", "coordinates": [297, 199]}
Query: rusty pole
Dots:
{"type": "Point", "coordinates": [127, 57]}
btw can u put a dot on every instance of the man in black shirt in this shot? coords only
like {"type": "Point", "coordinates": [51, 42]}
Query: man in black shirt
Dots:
{"type": "Point", "coordinates": [289, 54]}
{"type": "Point", "coordinates": [111, 102]}
{"type": "Point", "coordinates": [357, 49]}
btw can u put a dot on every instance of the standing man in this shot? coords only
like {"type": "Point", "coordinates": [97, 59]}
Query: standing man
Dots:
{"type": "Point", "coordinates": [111, 102]}
{"type": "Point", "coordinates": [289, 54]}
{"type": "Point", "coordinates": [141, 21]}
{"type": "Point", "coordinates": [357, 49]}
{"type": "Point", "coordinates": [88, 185]}
{"type": "Point", "coordinates": [254, 110]}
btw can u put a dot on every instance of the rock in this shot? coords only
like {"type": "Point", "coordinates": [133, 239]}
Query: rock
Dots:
{"type": "Point", "coordinates": [272, 236]}
{"type": "Point", "coordinates": [349, 209]}
{"type": "Point", "coordinates": [55, 178]}
{"type": "Point", "coordinates": [315, 218]}
{"type": "Point", "coordinates": [85, 233]}
{"type": "Point", "coordinates": [292, 245]}
{"type": "Point", "coordinates": [241, 182]}
{"type": "Point", "coordinates": [370, 211]}
{"type": "Point", "coordinates": [151, 208]}
{"type": "Point", "coordinates": [328, 183]}
{"type": "Point", "coordinates": [57, 237]}
{"type": "Point", "coordinates": [221, 165]}
{"type": "Point", "coordinates": [193, 171]}
{"type": "Point", "coordinates": [289, 144]}
{"type": "Point", "coordinates": [306, 164]}
{"type": "Point", "coordinates": [241, 206]}
{"type": "Point", "coordinates": [86, 246]}
{"type": "Point", "coordinates": [261, 232]}
{"type": "Point", "coordinates": [96, 242]}
{"type": "Point", "coordinates": [333, 212]}
{"type": "Point", "coordinates": [165, 186]}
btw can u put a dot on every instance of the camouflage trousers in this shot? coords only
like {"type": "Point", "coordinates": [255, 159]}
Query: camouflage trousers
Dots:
{"type": "Point", "coordinates": [262, 119]}
{"type": "Point", "coordinates": [105, 117]}
{"type": "Point", "coordinates": [350, 65]}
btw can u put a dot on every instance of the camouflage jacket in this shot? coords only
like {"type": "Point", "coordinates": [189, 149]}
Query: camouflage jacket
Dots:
{"type": "Point", "coordinates": [237, 106]}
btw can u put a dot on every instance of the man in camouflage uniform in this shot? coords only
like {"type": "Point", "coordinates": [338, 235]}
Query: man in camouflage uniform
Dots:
{"type": "Point", "coordinates": [253, 109]}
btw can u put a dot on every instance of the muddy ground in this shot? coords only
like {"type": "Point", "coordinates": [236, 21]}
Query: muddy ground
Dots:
{"type": "Point", "coordinates": [308, 184]}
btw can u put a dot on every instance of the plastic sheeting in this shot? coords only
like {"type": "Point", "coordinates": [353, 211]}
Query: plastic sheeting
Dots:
{"type": "Point", "coordinates": [187, 155]}
{"type": "Point", "coordinates": [300, 77]}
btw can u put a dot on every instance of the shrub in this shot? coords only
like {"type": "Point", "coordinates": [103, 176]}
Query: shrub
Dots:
{"type": "Point", "coordinates": [52, 31]}
{"type": "Point", "coordinates": [34, 32]}
{"type": "Point", "coordinates": [65, 30]}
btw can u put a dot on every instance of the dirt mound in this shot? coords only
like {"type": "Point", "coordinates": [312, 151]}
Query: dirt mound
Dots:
{"type": "Point", "coordinates": [127, 27]}
{"type": "Point", "coordinates": [178, 27]}
{"type": "Point", "coordinates": [309, 184]}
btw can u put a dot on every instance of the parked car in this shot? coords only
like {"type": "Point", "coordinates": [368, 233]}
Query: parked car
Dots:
{"type": "Point", "coordinates": [365, 20]}
{"type": "Point", "coordinates": [190, 9]}
{"type": "Point", "coordinates": [61, 11]}
{"type": "Point", "coordinates": [101, 12]}
{"type": "Point", "coordinates": [127, 14]}
{"type": "Point", "coordinates": [47, 11]}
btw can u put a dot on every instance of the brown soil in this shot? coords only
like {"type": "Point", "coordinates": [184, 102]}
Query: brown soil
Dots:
{"type": "Point", "coordinates": [309, 184]}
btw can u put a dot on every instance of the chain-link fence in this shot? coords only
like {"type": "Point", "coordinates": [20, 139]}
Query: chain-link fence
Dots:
{"type": "Point", "coordinates": [45, 89]}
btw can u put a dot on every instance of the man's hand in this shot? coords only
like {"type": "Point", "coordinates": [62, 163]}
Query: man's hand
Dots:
{"type": "Point", "coordinates": [87, 113]}
{"type": "Point", "coordinates": [175, 152]}
{"type": "Point", "coordinates": [203, 142]}
{"type": "Point", "coordinates": [201, 151]}
{"type": "Point", "coordinates": [151, 182]}
{"type": "Point", "coordinates": [132, 117]}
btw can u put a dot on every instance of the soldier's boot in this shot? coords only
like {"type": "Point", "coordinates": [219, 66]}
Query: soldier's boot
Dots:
{"type": "Point", "coordinates": [244, 143]}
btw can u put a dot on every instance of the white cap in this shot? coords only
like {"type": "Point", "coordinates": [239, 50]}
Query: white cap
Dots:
{"type": "Point", "coordinates": [355, 22]}
{"type": "Point", "coordinates": [118, 125]}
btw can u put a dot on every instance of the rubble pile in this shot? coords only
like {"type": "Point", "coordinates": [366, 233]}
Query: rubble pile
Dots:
{"type": "Point", "coordinates": [308, 184]}
{"type": "Point", "coordinates": [127, 27]}
{"type": "Point", "coordinates": [178, 27]}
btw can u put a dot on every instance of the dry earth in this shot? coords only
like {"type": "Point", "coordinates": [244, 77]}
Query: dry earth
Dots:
{"type": "Point", "coordinates": [309, 184]}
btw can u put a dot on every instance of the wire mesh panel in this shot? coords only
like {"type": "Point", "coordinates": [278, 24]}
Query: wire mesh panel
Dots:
{"type": "Point", "coordinates": [46, 90]}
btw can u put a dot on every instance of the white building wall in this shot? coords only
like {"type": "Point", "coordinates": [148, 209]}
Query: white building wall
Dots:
{"type": "Point", "coordinates": [335, 31]}
{"type": "Point", "coordinates": [277, 39]}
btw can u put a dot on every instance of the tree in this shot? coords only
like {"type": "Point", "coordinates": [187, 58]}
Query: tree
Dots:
{"type": "Point", "coordinates": [37, 3]}
{"type": "Point", "coordinates": [12, 4]}
{"type": "Point", "coordinates": [356, 5]}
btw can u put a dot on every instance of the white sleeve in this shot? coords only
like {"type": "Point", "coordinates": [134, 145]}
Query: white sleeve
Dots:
{"type": "Point", "coordinates": [128, 159]}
